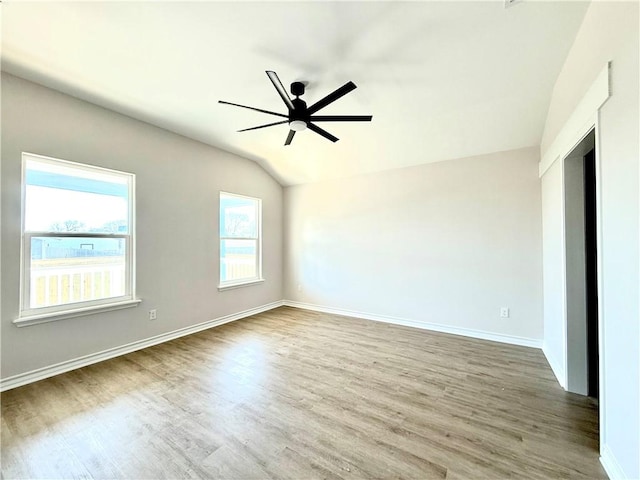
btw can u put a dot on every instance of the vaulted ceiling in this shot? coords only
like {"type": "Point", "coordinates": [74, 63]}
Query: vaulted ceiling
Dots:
{"type": "Point", "coordinates": [442, 80]}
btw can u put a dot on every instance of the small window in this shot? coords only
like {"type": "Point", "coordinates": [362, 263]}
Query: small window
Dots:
{"type": "Point", "coordinates": [240, 231]}
{"type": "Point", "coordinates": [77, 249]}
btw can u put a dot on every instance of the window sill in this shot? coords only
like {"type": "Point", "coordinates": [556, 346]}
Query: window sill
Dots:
{"type": "Point", "coordinates": [231, 286]}
{"type": "Point", "coordinates": [76, 312]}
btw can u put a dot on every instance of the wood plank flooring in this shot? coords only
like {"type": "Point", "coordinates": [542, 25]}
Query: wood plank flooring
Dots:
{"type": "Point", "coordinates": [292, 394]}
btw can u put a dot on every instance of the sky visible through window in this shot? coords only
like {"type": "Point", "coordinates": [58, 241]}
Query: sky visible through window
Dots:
{"type": "Point", "coordinates": [64, 199]}
{"type": "Point", "coordinates": [47, 207]}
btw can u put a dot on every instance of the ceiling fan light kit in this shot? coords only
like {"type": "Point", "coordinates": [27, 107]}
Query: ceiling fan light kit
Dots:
{"type": "Point", "coordinates": [298, 125]}
{"type": "Point", "coordinates": [300, 117]}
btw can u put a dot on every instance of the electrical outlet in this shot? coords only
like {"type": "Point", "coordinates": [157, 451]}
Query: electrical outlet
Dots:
{"type": "Point", "coordinates": [153, 314]}
{"type": "Point", "coordinates": [504, 312]}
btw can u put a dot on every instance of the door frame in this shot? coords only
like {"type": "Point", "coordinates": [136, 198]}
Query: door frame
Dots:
{"type": "Point", "coordinates": [579, 384]}
{"type": "Point", "coordinates": [584, 118]}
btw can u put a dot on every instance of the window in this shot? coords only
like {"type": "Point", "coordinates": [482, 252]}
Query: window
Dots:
{"type": "Point", "coordinates": [77, 238]}
{"type": "Point", "coordinates": [240, 262]}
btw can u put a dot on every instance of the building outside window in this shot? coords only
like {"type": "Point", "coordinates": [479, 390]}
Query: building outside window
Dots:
{"type": "Point", "coordinates": [240, 240]}
{"type": "Point", "coordinates": [78, 247]}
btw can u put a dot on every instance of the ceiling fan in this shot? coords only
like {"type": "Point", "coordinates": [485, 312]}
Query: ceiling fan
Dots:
{"type": "Point", "coordinates": [300, 117]}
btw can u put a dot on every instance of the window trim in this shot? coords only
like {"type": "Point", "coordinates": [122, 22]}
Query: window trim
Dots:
{"type": "Point", "coordinates": [28, 315]}
{"type": "Point", "coordinates": [76, 312]}
{"type": "Point", "coordinates": [258, 279]}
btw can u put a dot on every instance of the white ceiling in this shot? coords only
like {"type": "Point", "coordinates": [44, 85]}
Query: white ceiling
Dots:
{"type": "Point", "coordinates": [442, 80]}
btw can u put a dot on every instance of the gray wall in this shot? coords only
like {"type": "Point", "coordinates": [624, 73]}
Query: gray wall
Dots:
{"type": "Point", "coordinates": [610, 33]}
{"type": "Point", "coordinates": [576, 286]}
{"type": "Point", "coordinates": [446, 243]}
{"type": "Point", "coordinates": [178, 182]}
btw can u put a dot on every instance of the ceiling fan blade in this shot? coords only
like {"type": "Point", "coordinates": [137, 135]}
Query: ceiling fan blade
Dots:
{"type": "Point", "coordinates": [273, 76]}
{"type": "Point", "coordinates": [290, 137]}
{"type": "Point", "coordinates": [341, 118]}
{"type": "Point", "coordinates": [322, 132]}
{"type": "Point", "coordinates": [263, 126]}
{"type": "Point", "coordinates": [332, 97]}
{"type": "Point", "coordinates": [253, 108]}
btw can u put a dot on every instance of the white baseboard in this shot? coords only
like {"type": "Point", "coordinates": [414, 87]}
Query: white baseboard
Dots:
{"type": "Point", "coordinates": [46, 372]}
{"type": "Point", "coordinates": [52, 370]}
{"type": "Point", "coordinates": [556, 367]}
{"type": "Point", "coordinates": [466, 332]}
{"type": "Point", "coordinates": [611, 465]}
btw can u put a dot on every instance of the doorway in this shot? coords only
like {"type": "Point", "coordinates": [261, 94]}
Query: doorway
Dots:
{"type": "Point", "coordinates": [581, 255]}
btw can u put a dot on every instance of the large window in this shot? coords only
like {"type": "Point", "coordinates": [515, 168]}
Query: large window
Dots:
{"type": "Point", "coordinates": [240, 261]}
{"type": "Point", "coordinates": [77, 238]}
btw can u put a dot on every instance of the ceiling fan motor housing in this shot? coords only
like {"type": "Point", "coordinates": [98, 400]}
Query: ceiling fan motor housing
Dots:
{"type": "Point", "coordinates": [299, 111]}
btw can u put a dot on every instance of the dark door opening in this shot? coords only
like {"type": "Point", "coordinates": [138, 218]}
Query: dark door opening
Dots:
{"type": "Point", "coordinates": [591, 272]}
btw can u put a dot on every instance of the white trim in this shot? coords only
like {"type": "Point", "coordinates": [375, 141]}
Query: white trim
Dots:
{"type": "Point", "coordinates": [564, 142]}
{"type": "Point", "coordinates": [556, 366]}
{"type": "Point", "coordinates": [564, 380]}
{"type": "Point", "coordinates": [610, 464]}
{"type": "Point", "coordinates": [50, 371]}
{"type": "Point", "coordinates": [602, 390]}
{"type": "Point", "coordinates": [76, 312]}
{"type": "Point", "coordinates": [466, 332]}
{"type": "Point", "coordinates": [231, 286]}
{"type": "Point", "coordinates": [79, 165]}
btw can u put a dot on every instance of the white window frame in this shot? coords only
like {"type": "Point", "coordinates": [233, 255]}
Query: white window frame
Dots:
{"type": "Point", "coordinates": [29, 315]}
{"type": "Point", "coordinates": [230, 284]}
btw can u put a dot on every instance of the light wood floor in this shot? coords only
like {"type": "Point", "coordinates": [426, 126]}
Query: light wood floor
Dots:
{"type": "Point", "coordinates": [302, 395]}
